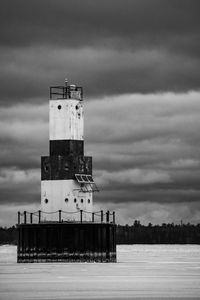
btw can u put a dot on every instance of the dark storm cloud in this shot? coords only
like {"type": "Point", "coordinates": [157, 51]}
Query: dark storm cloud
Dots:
{"type": "Point", "coordinates": [108, 47]}
{"type": "Point", "coordinates": [19, 196]}
{"type": "Point", "coordinates": [151, 150]}
{"type": "Point", "coordinates": [19, 186]}
{"type": "Point", "coordinates": [23, 135]}
{"type": "Point", "coordinates": [160, 196]}
{"type": "Point", "coordinates": [26, 73]}
{"type": "Point", "coordinates": [145, 148]}
{"type": "Point", "coordinates": [145, 152]}
{"type": "Point", "coordinates": [78, 23]}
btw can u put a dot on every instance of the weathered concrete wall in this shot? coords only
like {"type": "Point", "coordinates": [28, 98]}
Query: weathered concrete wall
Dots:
{"type": "Point", "coordinates": [65, 167]}
{"type": "Point", "coordinates": [59, 188]}
{"type": "Point", "coordinates": [65, 119]}
{"type": "Point", "coordinates": [65, 195]}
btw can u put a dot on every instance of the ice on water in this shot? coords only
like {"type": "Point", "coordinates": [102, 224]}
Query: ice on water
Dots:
{"type": "Point", "coordinates": [142, 271]}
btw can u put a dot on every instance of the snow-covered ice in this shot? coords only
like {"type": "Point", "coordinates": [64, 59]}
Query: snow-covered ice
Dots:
{"type": "Point", "coordinates": [142, 271]}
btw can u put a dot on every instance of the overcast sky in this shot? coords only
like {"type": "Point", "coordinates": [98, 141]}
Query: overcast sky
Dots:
{"type": "Point", "coordinates": [139, 64]}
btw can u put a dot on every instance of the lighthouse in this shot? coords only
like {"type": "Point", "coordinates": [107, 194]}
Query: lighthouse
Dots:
{"type": "Point", "coordinates": [66, 174]}
{"type": "Point", "coordinates": [66, 228]}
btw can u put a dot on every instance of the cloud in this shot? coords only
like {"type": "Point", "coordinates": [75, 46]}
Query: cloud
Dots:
{"type": "Point", "coordinates": [9, 216]}
{"type": "Point", "coordinates": [153, 212]}
{"type": "Point", "coordinates": [19, 186]}
{"type": "Point", "coordinates": [133, 176]}
{"type": "Point", "coordinates": [23, 135]}
{"type": "Point", "coordinates": [140, 74]}
{"type": "Point", "coordinates": [76, 23]}
{"type": "Point", "coordinates": [110, 49]}
{"type": "Point", "coordinates": [185, 163]}
{"type": "Point", "coordinates": [144, 148]}
{"type": "Point", "coordinates": [13, 176]}
{"type": "Point", "coordinates": [101, 71]}
{"type": "Point", "coordinates": [165, 119]}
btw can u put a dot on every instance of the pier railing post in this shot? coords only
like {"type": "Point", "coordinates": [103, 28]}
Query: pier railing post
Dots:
{"type": "Point", "coordinates": [81, 215]}
{"type": "Point", "coordinates": [39, 215]}
{"type": "Point", "coordinates": [31, 218]}
{"type": "Point", "coordinates": [107, 216]}
{"type": "Point", "coordinates": [59, 215]}
{"type": "Point", "coordinates": [18, 217]}
{"type": "Point", "coordinates": [113, 217]}
{"type": "Point", "coordinates": [101, 216]}
{"type": "Point", "coordinates": [24, 217]}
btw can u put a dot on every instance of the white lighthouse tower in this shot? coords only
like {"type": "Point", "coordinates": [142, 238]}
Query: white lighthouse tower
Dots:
{"type": "Point", "coordinates": [66, 229]}
{"type": "Point", "coordinates": [66, 174]}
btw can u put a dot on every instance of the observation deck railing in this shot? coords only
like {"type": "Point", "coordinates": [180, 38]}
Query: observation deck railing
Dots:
{"type": "Point", "coordinates": [66, 92]}
{"type": "Point", "coordinates": [64, 217]}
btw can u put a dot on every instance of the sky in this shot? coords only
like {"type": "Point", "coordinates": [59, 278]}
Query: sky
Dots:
{"type": "Point", "coordinates": [139, 64]}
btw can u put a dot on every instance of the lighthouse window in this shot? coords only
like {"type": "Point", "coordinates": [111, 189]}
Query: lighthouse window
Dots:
{"type": "Point", "coordinates": [59, 106]}
{"type": "Point", "coordinates": [74, 200]}
{"type": "Point", "coordinates": [88, 200]}
{"type": "Point", "coordinates": [66, 200]}
{"type": "Point", "coordinates": [46, 200]}
{"type": "Point", "coordinates": [81, 200]}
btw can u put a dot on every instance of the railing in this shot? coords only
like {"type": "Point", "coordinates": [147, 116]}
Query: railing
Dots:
{"type": "Point", "coordinates": [61, 216]}
{"type": "Point", "coordinates": [66, 92]}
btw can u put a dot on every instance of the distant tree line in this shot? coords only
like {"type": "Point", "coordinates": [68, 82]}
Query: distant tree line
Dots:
{"type": "Point", "coordinates": [8, 235]}
{"type": "Point", "coordinates": [135, 234]}
{"type": "Point", "coordinates": [158, 234]}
